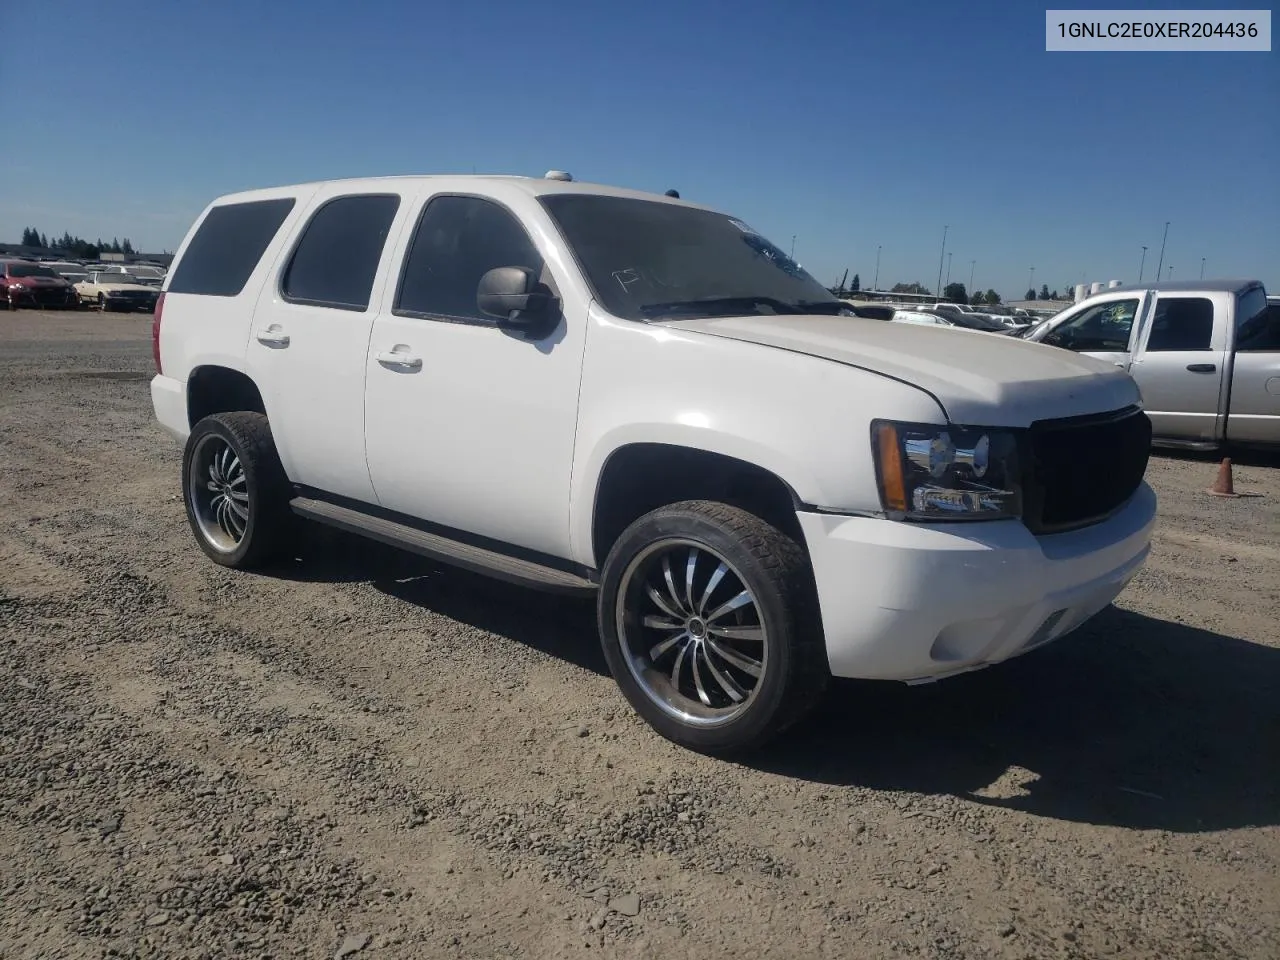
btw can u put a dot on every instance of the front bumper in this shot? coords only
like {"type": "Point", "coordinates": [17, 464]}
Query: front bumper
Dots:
{"type": "Point", "coordinates": [49, 298]}
{"type": "Point", "coordinates": [917, 602]}
{"type": "Point", "coordinates": [119, 302]}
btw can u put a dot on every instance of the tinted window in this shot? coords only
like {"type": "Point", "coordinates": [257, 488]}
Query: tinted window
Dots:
{"type": "Point", "coordinates": [1181, 323]}
{"type": "Point", "coordinates": [1105, 326]}
{"type": "Point", "coordinates": [227, 247]}
{"type": "Point", "coordinates": [1259, 322]}
{"type": "Point", "coordinates": [1261, 332]}
{"type": "Point", "coordinates": [337, 257]}
{"type": "Point", "coordinates": [458, 240]}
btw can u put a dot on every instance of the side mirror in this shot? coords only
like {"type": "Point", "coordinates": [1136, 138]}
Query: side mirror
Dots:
{"type": "Point", "coordinates": [513, 296]}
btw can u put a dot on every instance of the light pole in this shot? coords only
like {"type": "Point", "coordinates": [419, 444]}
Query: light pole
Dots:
{"type": "Point", "coordinates": [1202, 268]}
{"type": "Point", "coordinates": [1160, 265]}
{"type": "Point", "coordinates": [949, 269]}
{"type": "Point", "coordinates": [941, 257]}
{"type": "Point", "coordinates": [1142, 263]}
{"type": "Point", "coordinates": [1031, 283]}
{"type": "Point", "coordinates": [1169, 275]}
{"type": "Point", "coordinates": [971, 263]}
{"type": "Point", "coordinates": [793, 246]}
{"type": "Point", "coordinates": [875, 284]}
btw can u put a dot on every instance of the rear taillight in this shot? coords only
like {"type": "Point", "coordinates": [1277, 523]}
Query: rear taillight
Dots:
{"type": "Point", "coordinates": [155, 331]}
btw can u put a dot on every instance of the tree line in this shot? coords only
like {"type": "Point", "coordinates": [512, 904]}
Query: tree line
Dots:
{"type": "Point", "coordinates": [952, 293]}
{"type": "Point", "coordinates": [75, 246]}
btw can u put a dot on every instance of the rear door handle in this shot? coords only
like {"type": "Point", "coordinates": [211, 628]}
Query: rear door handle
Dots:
{"type": "Point", "coordinates": [393, 358]}
{"type": "Point", "coordinates": [1202, 367]}
{"type": "Point", "coordinates": [273, 337]}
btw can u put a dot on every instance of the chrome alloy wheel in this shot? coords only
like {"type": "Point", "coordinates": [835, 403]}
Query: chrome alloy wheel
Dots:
{"type": "Point", "coordinates": [691, 632]}
{"type": "Point", "coordinates": [219, 493]}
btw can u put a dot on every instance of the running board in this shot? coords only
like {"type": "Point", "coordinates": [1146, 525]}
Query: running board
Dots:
{"type": "Point", "coordinates": [476, 559]}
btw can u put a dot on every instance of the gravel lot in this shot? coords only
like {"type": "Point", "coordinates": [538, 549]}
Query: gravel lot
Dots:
{"type": "Point", "coordinates": [366, 754]}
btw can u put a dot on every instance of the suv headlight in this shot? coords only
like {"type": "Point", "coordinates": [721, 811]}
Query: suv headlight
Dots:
{"type": "Point", "coordinates": [931, 472]}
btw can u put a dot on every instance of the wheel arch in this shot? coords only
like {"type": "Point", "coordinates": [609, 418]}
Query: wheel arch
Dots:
{"type": "Point", "coordinates": [638, 477]}
{"type": "Point", "coordinates": [212, 388]}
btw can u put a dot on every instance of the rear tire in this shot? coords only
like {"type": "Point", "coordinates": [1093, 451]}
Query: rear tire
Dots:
{"type": "Point", "coordinates": [235, 490]}
{"type": "Point", "coordinates": [709, 622]}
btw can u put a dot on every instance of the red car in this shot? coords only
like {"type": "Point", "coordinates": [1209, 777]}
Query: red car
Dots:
{"type": "Point", "coordinates": [27, 284]}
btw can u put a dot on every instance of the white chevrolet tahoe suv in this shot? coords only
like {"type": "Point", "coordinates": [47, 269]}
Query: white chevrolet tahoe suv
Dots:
{"type": "Point", "coordinates": [599, 390]}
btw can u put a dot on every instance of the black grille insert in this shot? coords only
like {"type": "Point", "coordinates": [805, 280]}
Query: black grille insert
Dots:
{"type": "Point", "coordinates": [1080, 470]}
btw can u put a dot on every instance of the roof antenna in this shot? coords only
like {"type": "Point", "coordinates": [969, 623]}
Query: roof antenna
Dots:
{"type": "Point", "coordinates": [672, 193]}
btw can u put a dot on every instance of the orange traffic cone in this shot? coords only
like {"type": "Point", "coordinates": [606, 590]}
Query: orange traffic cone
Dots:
{"type": "Point", "coordinates": [1223, 486]}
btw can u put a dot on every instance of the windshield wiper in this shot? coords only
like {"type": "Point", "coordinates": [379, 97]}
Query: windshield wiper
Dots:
{"type": "Point", "coordinates": [722, 306]}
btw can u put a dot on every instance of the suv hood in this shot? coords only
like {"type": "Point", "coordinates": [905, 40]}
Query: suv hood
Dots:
{"type": "Point", "coordinates": [988, 381]}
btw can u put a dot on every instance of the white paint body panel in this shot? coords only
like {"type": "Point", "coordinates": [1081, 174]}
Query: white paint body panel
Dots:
{"type": "Point", "coordinates": [313, 386]}
{"type": "Point", "coordinates": [987, 381]}
{"type": "Point", "coordinates": [671, 383]}
{"type": "Point", "coordinates": [480, 437]}
{"type": "Point", "coordinates": [213, 331]}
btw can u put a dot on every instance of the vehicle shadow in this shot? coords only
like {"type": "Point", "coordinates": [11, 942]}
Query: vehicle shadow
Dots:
{"type": "Point", "coordinates": [561, 627]}
{"type": "Point", "coordinates": [1131, 721]}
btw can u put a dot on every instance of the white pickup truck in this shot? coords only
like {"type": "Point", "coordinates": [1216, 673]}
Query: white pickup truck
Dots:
{"type": "Point", "coordinates": [1204, 353]}
{"type": "Point", "coordinates": [603, 391]}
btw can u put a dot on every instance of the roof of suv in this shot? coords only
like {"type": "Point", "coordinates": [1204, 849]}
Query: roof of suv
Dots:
{"type": "Point", "coordinates": [534, 186]}
{"type": "Point", "coordinates": [1206, 286]}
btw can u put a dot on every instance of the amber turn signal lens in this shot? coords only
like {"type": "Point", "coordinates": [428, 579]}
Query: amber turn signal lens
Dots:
{"type": "Point", "coordinates": [892, 484]}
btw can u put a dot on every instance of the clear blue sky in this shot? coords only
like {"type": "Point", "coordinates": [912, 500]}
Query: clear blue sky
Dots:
{"type": "Point", "coordinates": [846, 125]}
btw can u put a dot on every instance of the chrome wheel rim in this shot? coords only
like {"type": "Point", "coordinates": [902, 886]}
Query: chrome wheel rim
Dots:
{"type": "Point", "coordinates": [691, 632]}
{"type": "Point", "coordinates": [219, 492]}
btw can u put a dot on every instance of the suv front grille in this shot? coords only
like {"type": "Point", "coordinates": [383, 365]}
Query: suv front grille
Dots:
{"type": "Point", "coordinates": [1080, 470]}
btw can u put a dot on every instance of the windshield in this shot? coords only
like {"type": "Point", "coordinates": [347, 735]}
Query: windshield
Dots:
{"type": "Point", "coordinates": [29, 270]}
{"type": "Point", "coordinates": [114, 277]}
{"type": "Point", "coordinates": [152, 273]}
{"type": "Point", "coordinates": [647, 259]}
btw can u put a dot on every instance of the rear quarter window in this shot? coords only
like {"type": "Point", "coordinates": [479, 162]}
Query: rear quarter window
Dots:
{"type": "Point", "coordinates": [227, 246]}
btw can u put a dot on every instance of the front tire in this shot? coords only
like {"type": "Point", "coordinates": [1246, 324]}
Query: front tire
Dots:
{"type": "Point", "coordinates": [235, 490]}
{"type": "Point", "coordinates": [709, 622]}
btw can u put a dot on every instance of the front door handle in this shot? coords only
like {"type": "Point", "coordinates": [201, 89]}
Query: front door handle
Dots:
{"type": "Point", "coordinates": [273, 337]}
{"type": "Point", "coordinates": [1201, 367]}
{"type": "Point", "coordinates": [394, 358]}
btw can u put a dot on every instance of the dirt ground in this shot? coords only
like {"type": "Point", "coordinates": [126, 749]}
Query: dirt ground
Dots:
{"type": "Point", "coordinates": [364, 754]}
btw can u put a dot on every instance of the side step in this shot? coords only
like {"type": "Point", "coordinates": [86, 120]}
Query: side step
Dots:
{"type": "Point", "coordinates": [477, 559]}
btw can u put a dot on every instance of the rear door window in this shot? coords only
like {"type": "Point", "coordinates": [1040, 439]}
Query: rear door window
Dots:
{"type": "Point", "coordinates": [1259, 321]}
{"type": "Point", "coordinates": [227, 246]}
{"type": "Point", "coordinates": [337, 258]}
{"type": "Point", "coordinates": [1181, 323]}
